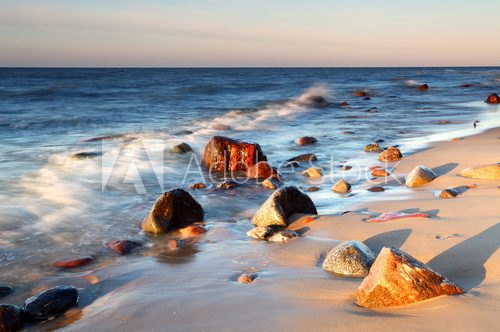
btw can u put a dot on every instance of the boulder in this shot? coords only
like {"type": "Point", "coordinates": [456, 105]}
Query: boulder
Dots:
{"type": "Point", "coordinates": [123, 247]}
{"type": "Point", "coordinates": [419, 176]}
{"type": "Point", "coordinates": [341, 186]}
{"type": "Point", "coordinates": [397, 278]}
{"type": "Point", "coordinates": [304, 157]}
{"type": "Point", "coordinates": [261, 232]}
{"type": "Point", "coordinates": [392, 153]}
{"type": "Point", "coordinates": [349, 258]}
{"type": "Point", "coordinates": [10, 318]}
{"type": "Point", "coordinates": [73, 262]}
{"type": "Point", "coordinates": [181, 148]}
{"type": "Point", "coordinates": [374, 147]}
{"type": "Point", "coordinates": [484, 172]}
{"type": "Point", "coordinates": [493, 99]}
{"type": "Point", "coordinates": [380, 172]}
{"type": "Point", "coordinates": [199, 185]}
{"type": "Point", "coordinates": [448, 193]}
{"type": "Point", "coordinates": [423, 87]}
{"type": "Point", "coordinates": [51, 302]}
{"type": "Point", "coordinates": [344, 104]}
{"type": "Point", "coordinates": [226, 154]}
{"type": "Point", "coordinates": [282, 204]}
{"type": "Point", "coordinates": [261, 170]}
{"type": "Point", "coordinates": [313, 172]}
{"type": "Point", "coordinates": [346, 167]}
{"type": "Point", "coordinates": [282, 236]}
{"type": "Point", "coordinates": [174, 209]}
{"type": "Point", "coordinates": [306, 140]}
{"type": "Point", "coordinates": [5, 290]}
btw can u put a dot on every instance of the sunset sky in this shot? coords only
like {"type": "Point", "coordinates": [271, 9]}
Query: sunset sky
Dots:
{"type": "Point", "coordinates": [185, 33]}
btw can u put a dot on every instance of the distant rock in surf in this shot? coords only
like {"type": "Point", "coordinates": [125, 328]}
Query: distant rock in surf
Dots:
{"type": "Point", "coordinates": [11, 318]}
{"type": "Point", "coordinates": [313, 172]}
{"type": "Point", "coordinates": [123, 247]}
{"type": "Point", "coordinates": [272, 182]}
{"type": "Point", "coordinates": [281, 205]}
{"type": "Point", "coordinates": [484, 172]}
{"type": "Point", "coordinates": [390, 154]}
{"type": "Point", "coordinates": [397, 278]}
{"type": "Point", "coordinates": [360, 93]}
{"type": "Point", "coordinates": [73, 262]}
{"type": "Point", "coordinates": [220, 126]}
{"type": "Point", "coordinates": [419, 176]}
{"type": "Point", "coordinates": [51, 302]}
{"type": "Point", "coordinates": [423, 87]}
{"type": "Point", "coordinates": [174, 209]}
{"type": "Point", "coordinates": [181, 148]}
{"type": "Point", "coordinates": [198, 185]}
{"type": "Point", "coordinates": [86, 155]}
{"type": "Point", "coordinates": [312, 100]}
{"type": "Point", "coordinates": [466, 85]}
{"type": "Point", "coordinates": [304, 157]}
{"type": "Point", "coordinates": [493, 99]}
{"type": "Point", "coordinates": [226, 154]}
{"type": "Point", "coordinates": [228, 184]}
{"type": "Point", "coordinates": [344, 104]}
{"type": "Point", "coordinates": [376, 189]}
{"type": "Point", "coordinates": [373, 147]}
{"type": "Point", "coordinates": [349, 258]}
{"type": "Point", "coordinates": [305, 140]}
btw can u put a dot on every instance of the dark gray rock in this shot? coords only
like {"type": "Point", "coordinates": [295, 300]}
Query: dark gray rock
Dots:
{"type": "Point", "coordinates": [282, 204]}
{"type": "Point", "coordinates": [52, 302]}
{"type": "Point", "coordinates": [181, 148]}
{"type": "Point", "coordinates": [350, 258]}
{"type": "Point", "coordinates": [304, 157]}
{"type": "Point", "coordinates": [5, 290]}
{"type": "Point", "coordinates": [172, 210]}
{"type": "Point", "coordinates": [86, 155]}
{"type": "Point", "coordinates": [10, 318]}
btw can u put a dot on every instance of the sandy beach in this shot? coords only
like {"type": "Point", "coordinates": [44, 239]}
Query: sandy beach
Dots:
{"type": "Point", "coordinates": [292, 292]}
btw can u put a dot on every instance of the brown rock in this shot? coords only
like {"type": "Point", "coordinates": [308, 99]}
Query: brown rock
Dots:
{"type": "Point", "coordinates": [198, 185]}
{"type": "Point", "coordinates": [419, 176]}
{"type": "Point", "coordinates": [376, 189]}
{"type": "Point", "coordinates": [272, 182]}
{"type": "Point", "coordinates": [261, 232]}
{"type": "Point", "coordinates": [73, 262]}
{"type": "Point", "coordinates": [313, 172]}
{"type": "Point", "coordinates": [304, 157]}
{"type": "Point", "coordinates": [422, 87]}
{"type": "Point", "coordinates": [10, 318]}
{"type": "Point", "coordinates": [467, 85]}
{"type": "Point", "coordinates": [390, 154]}
{"type": "Point", "coordinates": [380, 172]}
{"type": "Point", "coordinates": [192, 231]}
{"type": "Point", "coordinates": [346, 167]}
{"type": "Point", "coordinates": [175, 244]}
{"type": "Point", "coordinates": [344, 104]}
{"type": "Point", "coordinates": [123, 247]}
{"type": "Point", "coordinates": [341, 186]}
{"type": "Point", "coordinates": [313, 189]}
{"type": "Point", "coordinates": [246, 278]}
{"type": "Point", "coordinates": [306, 140]}
{"type": "Point", "coordinates": [396, 278]}
{"type": "Point", "coordinates": [228, 184]}
{"type": "Point", "coordinates": [360, 94]}
{"type": "Point", "coordinates": [493, 99]}
{"type": "Point", "coordinates": [226, 154]}
{"type": "Point", "coordinates": [174, 209]}
{"type": "Point", "coordinates": [448, 193]}
{"type": "Point", "coordinates": [374, 147]}
{"type": "Point", "coordinates": [261, 170]}
{"type": "Point", "coordinates": [181, 148]}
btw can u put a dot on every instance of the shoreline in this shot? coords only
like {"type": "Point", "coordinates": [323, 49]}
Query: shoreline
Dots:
{"type": "Point", "coordinates": [143, 293]}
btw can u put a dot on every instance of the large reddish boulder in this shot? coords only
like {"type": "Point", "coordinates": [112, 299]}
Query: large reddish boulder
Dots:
{"type": "Point", "coordinates": [174, 209]}
{"type": "Point", "coordinates": [390, 154]}
{"type": "Point", "coordinates": [397, 278]}
{"type": "Point", "coordinates": [226, 154]}
{"type": "Point", "coordinates": [493, 99]}
{"type": "Point", "coordinates": [261, 170]}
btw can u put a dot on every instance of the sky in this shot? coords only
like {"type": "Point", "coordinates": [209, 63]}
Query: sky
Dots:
{"type": "Point", "coordinates": [251, 33]}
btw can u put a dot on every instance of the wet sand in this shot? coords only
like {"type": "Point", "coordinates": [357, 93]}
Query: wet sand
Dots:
{"type": "Point", "coordinates": [292, 292]}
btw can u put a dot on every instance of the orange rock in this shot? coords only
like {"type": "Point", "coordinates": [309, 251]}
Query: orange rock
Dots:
{"type": "Point", "coordinates": [371, 168]}
{"type": "Point", "coordinates": [493, 99]}
{"type": "Point", "coordinates": [344, 104]}
{"type": "Point", "coordinates": [261, 170]}
{"type": "Point", "coordinates": [380, 172]}
{"type": "Point", "coordinates": [423, 87]}
{"type": "Point", "coordinates": [175, 244]}
{"type": "Point", "coordinates": [246, 278]}
{"type": "Point", "coordinates": [360, 93]}
{"type": "Point", "coordinates": [472, 186]}
{"type": "Point", "coordinates": [306, 140]}
{"type": "Point", "coordinates": [391, 154]}
{"type": "Point", "coordinates": [73, 262]}
{"type": "Point", "coordinates": [397, 278]}
{"type": "Point", "coordinates": [198, 185]}
{"type": "Point", "coordinates": [192, 231]}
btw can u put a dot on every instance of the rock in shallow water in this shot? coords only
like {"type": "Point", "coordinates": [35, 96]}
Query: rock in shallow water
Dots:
{"type": "Point", "coordinates": [51, 302]}
{"type": "Point", "coordinates": [261, 170]}
{"type": "Point", "coordinates": [349, 258]}
{"type": "Point", "coordinates": [73, 262]}
{"type": "Point", "coordinates": [493, 99]}
{"type": "Point", "coordinates": [304, 157]}
{"type": "Point", "coordinates": [192, 231]}
{"type": "Point", "coordinates": [246, 278]}
{"type": "Point", "coordinates": [260, 232]}
{"type": "Point", "coordinates": [390, 154]}
{"type": "Point", "coordinates": [419, 176]}
{"type": "Point", "coordinates": [306, 140]}
{"type": "Point", "coordinates": [272, 182]}
{"type": "Point", "coordinates": [10, 318]}
{"type": "Point", "coordinates": [380, 172]}
{"type": "Point", "coordinates": [226, 154]}
{"type": "Point", "coordinates": [313, 172]}
{"type": "Point", "coordinates": [282, 204]}
{"type": "Point", "coordinates": [172, 210]}
{"type": "Point", "coordinates": [484, 172]}
{"type": "Point", "coordinates": [341, 187]}
{"type": "Point", "coordinates": [374, 147]}
{"type": "Point", "coordinates": [5, 290]}
{"type": "Point", "coordinates": [181, 148]}
{"type": "Point", "coordinates": [448, 193]}
{"type": "Point", "coordinates": [198, 185]}
{"type": "Point", "coordinates": [376, 189]}
{"type": "Point", "coordinates": [123, 247]}
{"type": "Point", "coordinates": [397, 278]}
{"type": "Point", "coordinates": [283, 236]}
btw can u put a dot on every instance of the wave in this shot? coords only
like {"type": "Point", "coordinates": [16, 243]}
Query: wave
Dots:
{"type": "Point", "coordinates": [411, 83]}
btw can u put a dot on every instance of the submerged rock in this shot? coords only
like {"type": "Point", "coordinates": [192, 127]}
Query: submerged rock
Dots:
{"type": "Point", "coordinates": [261, 232]}
{"type": "Point", "coordinates": [10, 318]}
{"type": "Point", "coordinates": [282, 236]}
{"type": "Point", "coordinates": [51, 302]}
{"type": "Point", "coordinates": [313, 172]}
{"type": "Point", "coordinates": [423, 87]}
{"type": "Point", "coordinates": [374, 147]}
{"type": "Point", "coordinates": [313, 189]}
{"type": "Point", "coordinates": [304, 157]}
{"type": "Point", "coordinates": [306, 140]}
{"type": "Point", "coordinates": [192, 231]}
{"type": "Point", "coordinates": [246, 278]}
{"type": "Point", "coordinates": [314, 101]}
{"type": "Point", "coordinates": [73, 262]}
{"type": "Point", "coordinates": [228, 184]}
{"type": "Point", "coordinates": [174, 209]}
{"type": "Point", "coordinates": [226, 154]}
{"type": "Point", "coordinates": [484, 172]}
{"type": "Point", "coordinates": [376, 189]}
{"type": "Point", "coordinates": [380, 172]}
{"type": "Point", "coordinates": [493, 99]}
{"type": "Point", "coordinates": [448, 193]}
{"type": "Point", "coordinates": [419, 176]}
{"type": "Point", "coordinates": [86, 155]}
{"type": "Point", "coordinates": [261, 170]}
{"type": "Point", "coordinates": [123, 247]}
{"type": "Point", "coordinates": [5, 290]}
{"type": "Point", "coordinates": [349, 258]}
{"type": "Point", "coordinates": [397, 278]}
{"type": "Point", "coordinates": [360, 93]}
{"type": "Point", "coordinates": [282, 204]}
{"type": "Point", "coordinates": [199, 185]}
{"type": "Point", "coordinates": [341, 186]}
{"type": "Point", "coordinates": [344, 104]}
{"type": "Point", "coordinates": [272, 183]}
{"type": "Point", "coordinates": [392, 153]}
{"type": "Point", "coordinates": [181, 148]}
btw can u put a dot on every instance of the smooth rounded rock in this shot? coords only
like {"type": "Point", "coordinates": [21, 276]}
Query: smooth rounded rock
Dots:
{"type": "Point", "coordinates": [313, 172]}
{"type": "Point", "coordinates": [341, 186]}
{"type": "Point", "coordinates": [51, 302]}
{"type": "Point", "coordinates": [5, 290]}
{"type": "Point", "coordinates": [419, 176]}
{"type": "Point", "coordinates": [484, 172]}
{"type": "Point", "coordinates": [10, 318]}
{"type": "Point", "coordinates": [181, 148]}
{"type": "Point", "coordinates": [246, 278]}
{"type": "Point", "coordinates": [192, 231]}
{"type": "Point", "coordinates": [493, 99]}
{"type": "Point", "coordinates": [198, 185]}
{"type": "Point", "coordinates": [304, 157]}
{"type": "Point", "coordinates": [123, 247]}
{"type": "Point", "coordinates": [306, 140]}
{"type": "Point", "coordinates": [349, 258]}
{"type": "Point", "coordinates": [72, 262]}
{"type": "Point", "coordinates": [261, 232]}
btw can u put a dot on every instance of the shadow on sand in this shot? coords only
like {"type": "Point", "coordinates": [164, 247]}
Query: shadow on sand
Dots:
{"type": "Point", "coordinates": [388, 239]}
